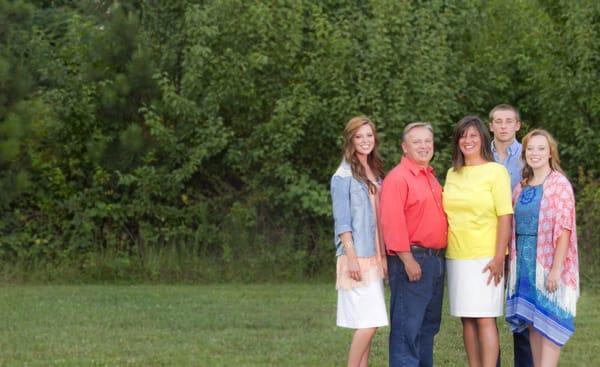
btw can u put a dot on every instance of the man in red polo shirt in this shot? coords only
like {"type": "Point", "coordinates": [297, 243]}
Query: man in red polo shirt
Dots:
{"type": "Point", "coordinates": [415, 231]}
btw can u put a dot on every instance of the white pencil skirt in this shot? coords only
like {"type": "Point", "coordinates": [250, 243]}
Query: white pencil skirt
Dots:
{"type": "Point", "coordinates": [364, 307]}
{"type": "Point", "coordinates": [468, 293]}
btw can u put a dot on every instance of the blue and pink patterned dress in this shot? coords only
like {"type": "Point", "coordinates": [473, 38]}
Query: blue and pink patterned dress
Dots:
{"type": "Point", "coordinates": [527, 305]}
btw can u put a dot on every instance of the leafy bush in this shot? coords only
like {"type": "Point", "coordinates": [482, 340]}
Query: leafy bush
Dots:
{"type": "Point", "coordinates": [588, 222]}
{"type": "Point", "coordinates": [189, 140]}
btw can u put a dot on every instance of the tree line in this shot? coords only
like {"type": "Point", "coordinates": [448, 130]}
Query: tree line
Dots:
{"type": "Point", "coordinates": [195, 140]}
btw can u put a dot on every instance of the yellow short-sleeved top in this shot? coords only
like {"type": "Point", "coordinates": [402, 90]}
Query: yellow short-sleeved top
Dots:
{"type": "Point", "coordinates": [473, 200]}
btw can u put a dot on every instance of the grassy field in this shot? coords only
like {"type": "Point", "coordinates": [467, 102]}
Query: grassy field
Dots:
{"type": "Point", "coordinates": [214, 325]}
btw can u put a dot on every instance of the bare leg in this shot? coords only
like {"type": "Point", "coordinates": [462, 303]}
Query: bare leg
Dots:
{"type": "Point", "coordinates": [536, 346]}
{"type": "Point", "coordinates": [361, 342]}
{"type": "Point", "coordinates": [489, 342]}
{"type": "Point", "coordinates": [550, 352]}
{"type": "Point", "coordinates": [471, 341]}
{"type": "Point", "coordinates": [364, 362]}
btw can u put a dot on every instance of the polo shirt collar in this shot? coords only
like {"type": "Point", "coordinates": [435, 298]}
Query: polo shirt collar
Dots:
{"type": "Point", "coordinates": [414, 168]}
{"type": "Point", "coordinates": [511, 150]}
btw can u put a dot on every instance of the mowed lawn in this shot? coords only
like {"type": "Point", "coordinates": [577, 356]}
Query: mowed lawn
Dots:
{"type": "Point", "coordinates": [215, 325]}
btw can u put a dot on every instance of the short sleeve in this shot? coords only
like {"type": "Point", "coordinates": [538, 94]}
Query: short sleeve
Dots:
{"type": "Point", "coordinates": [501, 191]}
{"type": "Point", "coordinates": [394, 193]}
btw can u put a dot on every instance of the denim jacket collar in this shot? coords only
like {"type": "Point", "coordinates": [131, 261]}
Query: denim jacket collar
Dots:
{"type": "Point", "coordinates": [345, 170]}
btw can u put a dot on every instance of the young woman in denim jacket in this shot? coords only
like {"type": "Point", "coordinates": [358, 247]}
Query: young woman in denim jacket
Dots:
{"type": "Point", "coordinates": [361, 260]}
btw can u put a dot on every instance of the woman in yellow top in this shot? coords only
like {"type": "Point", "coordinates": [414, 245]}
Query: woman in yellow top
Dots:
{"type": "Point", "coordinates": [477, 200]}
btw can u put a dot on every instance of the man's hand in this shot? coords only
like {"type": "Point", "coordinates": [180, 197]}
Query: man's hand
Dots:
{"type": "Point", "coordinates": [412, 267]}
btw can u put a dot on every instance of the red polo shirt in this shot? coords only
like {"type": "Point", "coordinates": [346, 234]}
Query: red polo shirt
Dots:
{"type": "Point", "coordinates": [411, 209]}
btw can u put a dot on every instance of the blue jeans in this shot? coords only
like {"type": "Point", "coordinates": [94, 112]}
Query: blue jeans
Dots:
{"type": "Point", "coordinates": [522, 348]}
{"type": "Point", "coordinates": [415, 310]}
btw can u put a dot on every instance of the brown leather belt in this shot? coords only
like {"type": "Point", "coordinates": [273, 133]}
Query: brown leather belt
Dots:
{"type": "Point", "coordinates": [418, 249]}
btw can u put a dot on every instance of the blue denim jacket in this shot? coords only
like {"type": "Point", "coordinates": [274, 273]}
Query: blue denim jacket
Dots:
{"type": "Point", "coordinates": [352, 212]}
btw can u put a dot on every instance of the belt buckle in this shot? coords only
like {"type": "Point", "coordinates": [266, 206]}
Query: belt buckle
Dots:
{"type": "Point", "coordinates": [419, 247]}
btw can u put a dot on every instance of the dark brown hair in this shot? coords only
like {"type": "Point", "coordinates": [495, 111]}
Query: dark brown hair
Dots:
{"type": "Point", "coordinates": [458, 159]}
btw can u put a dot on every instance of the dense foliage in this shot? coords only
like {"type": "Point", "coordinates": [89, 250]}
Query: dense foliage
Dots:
{"type": "Point", "coordinates": [195, 139]}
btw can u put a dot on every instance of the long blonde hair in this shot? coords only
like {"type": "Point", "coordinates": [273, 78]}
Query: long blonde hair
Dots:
{"type": "Point", "coordinates": [554, 156]}
{"type": "Point", "coordinates": [373, 159]}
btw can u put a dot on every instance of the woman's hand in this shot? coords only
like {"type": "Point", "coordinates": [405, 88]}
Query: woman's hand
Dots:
{"type": "Point", "coordinates": [353, 267]}
{"type": "Point", "coordinates": [496, 269]}
{"type": "Point", "coordinates": [560, 253]}
{"type": "Point", "coordinates": [552, 280]}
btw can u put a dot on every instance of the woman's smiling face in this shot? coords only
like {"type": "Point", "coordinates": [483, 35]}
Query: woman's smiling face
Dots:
{"type": "Point", "coordinates": [470, 143]}
{"type": "Point", "coordinates": [537, 152]}
{"type": "Point", "coordinates": [364, 140]}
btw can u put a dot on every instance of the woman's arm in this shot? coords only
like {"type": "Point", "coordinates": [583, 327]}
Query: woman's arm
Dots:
{"type": "Point", "coordinates": [496, 265]}
{"type": "Point", "coordinates": [560, 252]}
{"type": "Point", "coordinates": [353, 267]}
{"type": "Point", "coordinates": [342, 217]}
{"type": "Point", "coordinates": [564, 220]}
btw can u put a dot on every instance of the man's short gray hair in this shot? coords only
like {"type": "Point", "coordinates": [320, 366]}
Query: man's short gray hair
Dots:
{"type": "Point", "coordinates": [414, 125]}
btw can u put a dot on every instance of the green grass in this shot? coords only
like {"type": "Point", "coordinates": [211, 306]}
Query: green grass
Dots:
{"type": "Point", "coordinates": [214, 325]}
